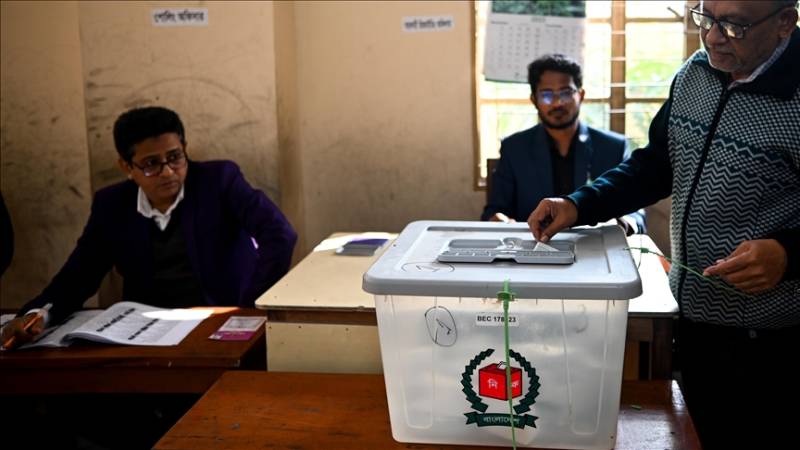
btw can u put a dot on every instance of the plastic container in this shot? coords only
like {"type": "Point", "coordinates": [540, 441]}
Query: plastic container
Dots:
{"type": "Point", "coordinates": [441, 337]}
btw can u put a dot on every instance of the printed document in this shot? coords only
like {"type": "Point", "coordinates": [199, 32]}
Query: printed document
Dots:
{"type": "Point", "coordinates": [126, 323]}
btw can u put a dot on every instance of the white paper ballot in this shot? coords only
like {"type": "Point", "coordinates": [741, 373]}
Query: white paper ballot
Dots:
{"type": "Point", "coordinates": [542, 247]}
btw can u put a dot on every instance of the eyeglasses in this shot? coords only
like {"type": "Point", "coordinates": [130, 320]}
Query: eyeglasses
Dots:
{"type": "Point", "coordinates": [548, 97]}
{"type": "Point", "coordinates": [153, 166]}
{"type": "Point", "coordinates": [730, 29]}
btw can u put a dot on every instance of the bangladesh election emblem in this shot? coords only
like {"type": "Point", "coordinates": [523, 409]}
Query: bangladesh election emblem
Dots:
{"type": "Point", "coordinates": [492, 385]}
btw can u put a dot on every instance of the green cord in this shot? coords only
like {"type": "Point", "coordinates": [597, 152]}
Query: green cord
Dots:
{"type": "Point", "coordinates": [507, 296]}
{"type": "Point", "coordinates": [689, 269]}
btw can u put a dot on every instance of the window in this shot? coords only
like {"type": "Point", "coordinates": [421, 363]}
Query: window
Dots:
{"type": "Point", "coordinates": [632, 50]}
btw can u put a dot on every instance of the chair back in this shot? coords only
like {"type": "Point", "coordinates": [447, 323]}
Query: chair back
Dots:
{"type": "Point", "coordinates": [491, 165]}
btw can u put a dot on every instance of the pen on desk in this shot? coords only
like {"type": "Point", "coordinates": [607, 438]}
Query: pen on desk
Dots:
{"type": "Point", "coordinates": [10, 341]}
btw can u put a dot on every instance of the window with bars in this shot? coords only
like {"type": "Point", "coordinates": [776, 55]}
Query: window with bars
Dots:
{"type": "Point", "coordinates": [632, 50]}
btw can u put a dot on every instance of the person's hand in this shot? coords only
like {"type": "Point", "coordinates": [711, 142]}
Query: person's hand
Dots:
{"type": "Point", "coordinates": [753, 267]}
{"type": "Point", "coordinates": [551, 216]}
{"type": "Point", "coordinates": [500, 217]}
{"type": "Point", "coordinates": [21, 330]}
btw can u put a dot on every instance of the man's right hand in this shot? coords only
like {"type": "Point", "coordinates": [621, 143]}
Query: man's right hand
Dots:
{"type": "Point", "coordinates": [14, 333]}
{"type": "Point", "coordinates": [551, 216]}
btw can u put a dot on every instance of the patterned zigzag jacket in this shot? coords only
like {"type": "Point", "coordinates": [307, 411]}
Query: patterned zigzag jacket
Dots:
{"type": "Point", "coordinates": [730, 158]}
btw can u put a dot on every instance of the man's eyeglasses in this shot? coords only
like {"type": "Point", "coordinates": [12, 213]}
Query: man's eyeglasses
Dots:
{"type": "Point", "coordinates": [153, 165]}
{"type": "Point", "coordinates": [729, 29]}
{"type": "Point", "coordinates": [548, 97]}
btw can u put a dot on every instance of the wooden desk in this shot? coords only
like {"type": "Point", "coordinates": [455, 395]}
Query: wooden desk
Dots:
{"type": "Point", "coordinates": [85, 367]}
{"type": "Point", "coordinates": [319, 308]}
{"type": "Point", "coordinates": [322, 297]}
{"type": "Point", "coordinates": [298, 411]}
{"type": "Point", "coordinates": [651, 317]}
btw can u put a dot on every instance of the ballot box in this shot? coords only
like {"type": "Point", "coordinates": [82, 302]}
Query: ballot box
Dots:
{"type": "Point", "coordinates": [441, 331]}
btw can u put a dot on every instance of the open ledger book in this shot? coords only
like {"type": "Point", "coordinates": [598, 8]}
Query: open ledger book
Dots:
{"type": "Point", "coordinates": [126, 323]}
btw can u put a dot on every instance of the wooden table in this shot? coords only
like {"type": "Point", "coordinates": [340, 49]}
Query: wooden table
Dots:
{"type": "Point", "coordinates": [245, 410]}
{"type": "Point", "coordinates": [651, 317]}
{"type": "Point", "coordinates": [319, 308]}
{"type": "Point", "coordinates": [85, 367]}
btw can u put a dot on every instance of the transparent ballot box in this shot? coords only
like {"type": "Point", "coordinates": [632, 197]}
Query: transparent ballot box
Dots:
{"type": "Point", "coordinates": [441, 332]}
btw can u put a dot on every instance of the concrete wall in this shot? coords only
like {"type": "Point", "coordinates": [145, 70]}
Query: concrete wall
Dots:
{"type": "Point", "coordinates": [385, 117]}
{"type": "Point", "coordinates": [44, 163]}
{"type": "Point", "coordinates": [288, 127]}
{"type": "Point", "coordinates": [219, 78]}
{"type": "Point", "coordinates": [70, 68]}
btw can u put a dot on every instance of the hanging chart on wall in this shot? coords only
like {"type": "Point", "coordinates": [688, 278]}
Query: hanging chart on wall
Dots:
{"type": "Point", "coordinates": [519, 31]}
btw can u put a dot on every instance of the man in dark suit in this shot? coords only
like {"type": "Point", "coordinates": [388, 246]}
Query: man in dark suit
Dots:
{"type": "Point", "coordinates": [557, 156]}
{"type": "Point", "coordinates": [181, 233]}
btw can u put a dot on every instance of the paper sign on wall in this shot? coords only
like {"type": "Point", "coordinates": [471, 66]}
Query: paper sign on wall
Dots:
{"type": "Point", "coordinates": [413, 24]}
{"type": "Point", "coordinates": [186, 17]}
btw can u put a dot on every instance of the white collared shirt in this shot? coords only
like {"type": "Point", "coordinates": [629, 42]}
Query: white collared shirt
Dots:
{"type": "Point", "coordinates": [764, 66]}
{"type": "Point", "coordinates": [146, 209]}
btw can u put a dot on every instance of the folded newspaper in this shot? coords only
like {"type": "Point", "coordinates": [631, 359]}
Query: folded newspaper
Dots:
{"type": "Point", "coordinates": [126, 323]}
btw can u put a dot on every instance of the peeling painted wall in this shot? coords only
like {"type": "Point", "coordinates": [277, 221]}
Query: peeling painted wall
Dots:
{"type": "Point", "coordinates": [288, 128]}
{"type": "Point", "coordinates": [44, 170]}
{"type": "Point", "coordinates": [385, 116]}
{"type": "Point", "coordinates": [220, 79]}
{"type": "Point", "coordinates": [70, 68]}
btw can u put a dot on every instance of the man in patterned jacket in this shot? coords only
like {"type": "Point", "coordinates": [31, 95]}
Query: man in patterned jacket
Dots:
{"type": "Point", "coordinates": [726, 146]}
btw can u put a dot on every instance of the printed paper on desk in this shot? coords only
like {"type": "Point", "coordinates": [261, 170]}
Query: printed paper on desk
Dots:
{"type": "Point", "coordinates": [126, 323]}
{"type": "Point", "coordinates": [238, 328]}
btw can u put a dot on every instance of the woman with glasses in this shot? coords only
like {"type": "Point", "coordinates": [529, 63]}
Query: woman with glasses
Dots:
{"type": "Point", "coordinates": [180, 232]}
{"type": "Point", "coordinates": [726, 146]}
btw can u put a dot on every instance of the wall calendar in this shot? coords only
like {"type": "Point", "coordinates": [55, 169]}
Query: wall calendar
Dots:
{"type": "Point", "coordinates": [517, 32]}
